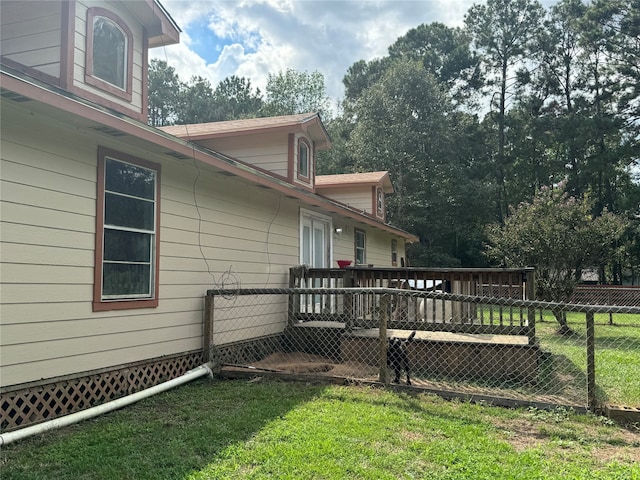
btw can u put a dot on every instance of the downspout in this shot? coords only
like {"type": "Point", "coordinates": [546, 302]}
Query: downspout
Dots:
{"type": "Point", "coordinates": [201, 371]}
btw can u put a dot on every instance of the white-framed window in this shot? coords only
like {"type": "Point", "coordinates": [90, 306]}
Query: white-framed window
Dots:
{"type": "Point", "coordinates": [304, 160]}
{"type": "Point", "coordinates": [109, 55]}
{"type": "Point", "coordinates": [360, 246]}
{"type": "Point", "coordinates": [127, 232]}
{"type": "Point", "coordinates": [379, 202]}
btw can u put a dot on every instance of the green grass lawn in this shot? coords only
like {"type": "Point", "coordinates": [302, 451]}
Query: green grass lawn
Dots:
{"type": "Point", "coordinates": [212, 429]}
{"type": "Point", "coordinates": [617, 353]}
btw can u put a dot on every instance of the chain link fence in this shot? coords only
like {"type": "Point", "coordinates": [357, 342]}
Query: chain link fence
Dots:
{"type": "Point", "coordinates": [504, 349]}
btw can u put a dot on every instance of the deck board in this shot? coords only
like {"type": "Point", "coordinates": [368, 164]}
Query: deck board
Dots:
{"type": "Point", "coordinates": [475, 338]}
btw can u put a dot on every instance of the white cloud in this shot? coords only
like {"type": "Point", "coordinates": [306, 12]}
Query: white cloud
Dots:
{"type": "Point", "coordinates": [265, 36]}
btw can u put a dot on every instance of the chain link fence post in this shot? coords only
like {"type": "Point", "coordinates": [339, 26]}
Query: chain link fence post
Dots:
{"type": "Point", "coordinates": [591, 362]}
{"type": "Point", "coordinates": [384, 308]}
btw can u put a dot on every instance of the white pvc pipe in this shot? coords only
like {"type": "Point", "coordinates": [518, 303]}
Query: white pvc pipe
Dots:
{"type": "Point", "coordinates": [201, 371]}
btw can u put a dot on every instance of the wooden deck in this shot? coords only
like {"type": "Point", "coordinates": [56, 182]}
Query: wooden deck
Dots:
{"type": "Point", "coordinates": [446, 337]}
{"type": "Point", "coordinates": [433, 353]}
{"type": "Point", "coordinates": [420, 334]}
{"type": "Point", "coordinates": [449, 300]}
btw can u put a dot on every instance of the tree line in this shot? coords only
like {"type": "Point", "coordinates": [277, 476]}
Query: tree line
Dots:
{"type": "Point", "coordinates": [479, 126]}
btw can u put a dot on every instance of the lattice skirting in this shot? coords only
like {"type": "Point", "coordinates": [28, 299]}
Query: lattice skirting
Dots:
{"type": "Point", "coordinates": [35, 404]}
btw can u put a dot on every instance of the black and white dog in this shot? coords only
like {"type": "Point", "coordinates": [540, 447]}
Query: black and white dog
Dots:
{"type": "Point", "coordinates": [397, 358]}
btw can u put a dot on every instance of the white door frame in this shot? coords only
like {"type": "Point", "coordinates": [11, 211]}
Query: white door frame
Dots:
{"type": "Point", "coordinates": [313, 221]}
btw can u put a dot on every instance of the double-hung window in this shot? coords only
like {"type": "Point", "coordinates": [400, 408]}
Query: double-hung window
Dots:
{"type": "Point", "coordinates": [127, 234]}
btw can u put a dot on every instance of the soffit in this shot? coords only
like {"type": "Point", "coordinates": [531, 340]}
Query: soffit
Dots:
{"type": "Point", "coordinates": [350, 180]}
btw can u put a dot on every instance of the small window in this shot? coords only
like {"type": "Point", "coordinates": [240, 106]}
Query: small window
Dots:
{"type": "Point", "coordinates": [304, 160]}
{"type": "Point", "coordinates": [380, 202]}
{"type": "Point", "coordinates": [109, 53]}
{"type": "Point", "coordinates": [360, 247]}
{"type": "Point", "coordinates": [127, 233]}
{"type": "Point", "coordinates": [394, 252]}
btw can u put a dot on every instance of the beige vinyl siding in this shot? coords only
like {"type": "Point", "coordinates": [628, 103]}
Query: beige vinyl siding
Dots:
{"type": "Point", "coordinates": [378, 245]}
{"type": "Point", "coordinates": [47, 326]}
{"type": "Point", "coordinates": [378, 248]}
{"type": "Point", "coordinates": [267, 151]}
{"type": "Point", "coordinates": [358, 198]}
{"type": "Point", "coordinates": [79, 56]}
{"type": "Point", "coordinates": [343, 243]}
{"type": "Point", "coordinates": [30, 34]}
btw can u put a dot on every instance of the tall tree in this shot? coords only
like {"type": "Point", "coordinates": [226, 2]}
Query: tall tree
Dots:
{"type": "Point", "coordinates": [445, 53]}
{"type": "Point", "coordinates": [406, 125]}
{"type": "Point", "coordinates": [503, 32]}
{"type": "Point", "coordinates": [361, 75]}
{"type": "Point", "coordinates": [291, 92]}
{"type": "Point", "coordinates": [338, 158]}
{"type": "Point", "coordinates": [196, 102]}
{"type": "Point", "coordinates": [164, 91]}
{"type": "Point", "coordinates": [614, 133]}
{"type": "Point", "coordinates": [235, 98]}
{"type": "Point", "coordinates": [620, 19]}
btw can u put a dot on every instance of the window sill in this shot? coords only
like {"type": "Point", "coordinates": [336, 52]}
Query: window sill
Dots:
{"type": "Point", "coordinates": [108, 88]}
{"type": "Point", "coordinates": [124, 305]}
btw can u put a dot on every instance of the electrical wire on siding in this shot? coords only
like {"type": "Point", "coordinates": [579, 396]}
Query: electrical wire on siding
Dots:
{"type": "Point", "coordinates": [228, 279]}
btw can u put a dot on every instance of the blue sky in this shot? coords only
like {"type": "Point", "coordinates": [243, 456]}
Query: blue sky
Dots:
{"type": "Point", "coordinates": [252, 38]}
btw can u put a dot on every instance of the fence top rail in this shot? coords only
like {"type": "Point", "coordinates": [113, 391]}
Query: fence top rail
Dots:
{"type": "Point", "coordinates": [607, 287]}
{"type": "Point", "coordinates": [426, 269]}
{"type": "Point", "coordinates": [507, 302]}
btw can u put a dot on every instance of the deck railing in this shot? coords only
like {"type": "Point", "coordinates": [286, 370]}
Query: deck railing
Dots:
{"type": "Point", "coordinates": [419, 310]}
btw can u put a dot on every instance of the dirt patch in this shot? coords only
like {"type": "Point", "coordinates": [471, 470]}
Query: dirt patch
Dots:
{"type": "Point", "coordinates": [299, 362]}
{"type": "Point", "coordinates": [295, 363]}
{"type": "Point", "coordinates": [522, 434]}
{"type": "Point", "coordinates": [603, 445]}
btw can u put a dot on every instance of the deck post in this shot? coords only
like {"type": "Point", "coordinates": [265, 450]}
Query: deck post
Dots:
{"type": "Point", "coordinates": [348, 301]}
{"type": "Point", "coordinates": [384, 308]}
{"type": "Point", "coordinates": [530, 294]}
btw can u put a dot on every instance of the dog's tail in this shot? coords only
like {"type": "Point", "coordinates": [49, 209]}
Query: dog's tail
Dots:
{"type": "Point", "coordinates": [410, 337]}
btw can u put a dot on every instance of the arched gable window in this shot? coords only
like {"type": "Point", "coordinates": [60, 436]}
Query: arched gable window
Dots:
{"type": "Point", "coordinates": [380, 202]}
{"type": "Point", "coordinates": [109, 53]}
{"type": "Point", "coordinates": [304, 160]}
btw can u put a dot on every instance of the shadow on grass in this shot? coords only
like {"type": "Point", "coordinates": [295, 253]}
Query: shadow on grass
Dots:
{"type": "Point", "coordinates": [167, 436]}
{"type": "Point", "coordinates": [561, 376]}
{"type": "Point", "coordinates": [620, 343]}
{"type": "Point", "coordinates": [411, 401]}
